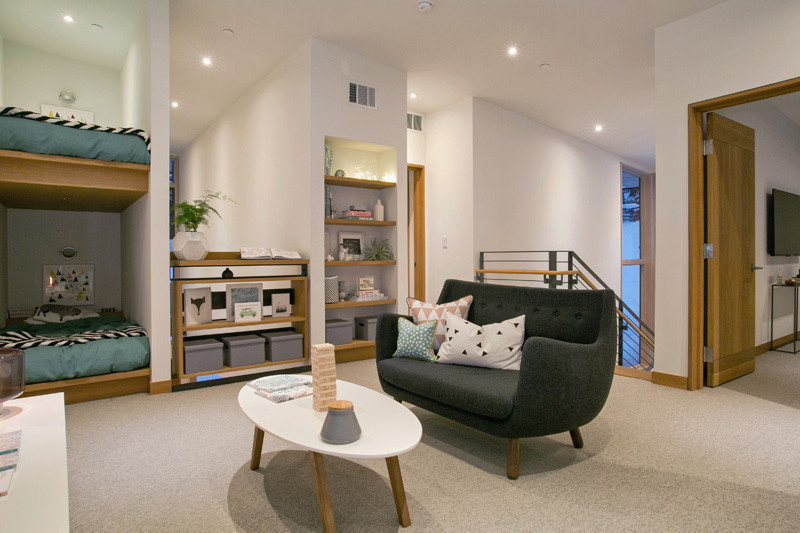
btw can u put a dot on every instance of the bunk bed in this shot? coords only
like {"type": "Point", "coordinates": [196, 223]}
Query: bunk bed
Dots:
{"type": "Point", "coordinates": [52, 163]}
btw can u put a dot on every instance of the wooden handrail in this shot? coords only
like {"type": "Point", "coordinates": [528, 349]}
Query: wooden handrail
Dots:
{"type": "Point", "coordinates": [570, 273]}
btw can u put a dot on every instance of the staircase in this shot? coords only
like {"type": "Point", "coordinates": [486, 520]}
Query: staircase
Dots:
{"type": "Point", "coordinates": [566, 270]}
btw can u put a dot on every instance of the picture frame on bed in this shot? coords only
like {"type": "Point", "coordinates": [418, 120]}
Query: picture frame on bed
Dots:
{"type": "Point", "coordinates": [197, 306]}
{"type": "Point", "coordinates": [68, 284]}
{"type": "Point", "coordinates": [238, 293]}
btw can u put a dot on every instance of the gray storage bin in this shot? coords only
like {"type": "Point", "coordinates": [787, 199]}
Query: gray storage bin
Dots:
{"type": "Point", "coordinates": [283, 345]}
{"type": "Point", "coordinates": [338, 331]}
{"type": "Point", "coordinates": [243, 350]}
{"type": "Point", "coordinates": [202, 356]}
{"type": "Point", "coordinates": [365, 327]}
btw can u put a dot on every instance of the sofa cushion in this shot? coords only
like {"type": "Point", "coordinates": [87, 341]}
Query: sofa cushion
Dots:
{"type": "Point", "coordinates": [496, 345]}
{"type": "Point", "coordinates": [488, 392]}
{"type": "Point", "coordinates": [415, 341]}
{"type": "Point", "coordinates": [424, 311]}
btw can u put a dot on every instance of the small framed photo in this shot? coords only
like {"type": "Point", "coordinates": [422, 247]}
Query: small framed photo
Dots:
{"type": "Point", "coordinates": [366, 284]}
{"type": "Point", "coordinates": [197, 306]}
{"type": "Point", "coordinates": [353, 242]}
{"type": "Point", "coordinates": [242, 293]}
{"type": "Point", "coordinates": [247, 312]}
{"type": "Point", "coordinates": [280, 304]}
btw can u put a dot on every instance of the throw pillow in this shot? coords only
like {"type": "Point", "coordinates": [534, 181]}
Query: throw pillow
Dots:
{"type": "Point", "coordinates": [61, 313]}
{"type": "Point", "coordinates": [492, 345]}
{"type": "Point", "coordinates": [415, 341]}
{"type": "Point", "coordinates": [423, 311]}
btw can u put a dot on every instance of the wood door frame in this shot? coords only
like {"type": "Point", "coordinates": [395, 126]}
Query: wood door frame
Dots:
{"type": "Point", "coordinates": [416, 198]}
{"type": "Point", "coordinates": [697, 211]}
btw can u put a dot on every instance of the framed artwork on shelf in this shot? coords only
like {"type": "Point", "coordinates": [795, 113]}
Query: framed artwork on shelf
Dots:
{"type": "Point", "coordinates": [353, 243]}
{"type": "Point", "coordinates": [366, 284]}
{"type": "Point", "coordinates": [247, 312]}
{"type": "Point", "coordinates": [239, 293]}
{"type": "Point", "coordinates": [68, 284]}
{"type": "Point", "coordinates": [197, 306]}
{"type": "Point", "coordinates": [280, 304]}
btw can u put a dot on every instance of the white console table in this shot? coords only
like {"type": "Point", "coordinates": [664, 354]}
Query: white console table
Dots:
{"type": "Point", "coordinates": [38, 499]}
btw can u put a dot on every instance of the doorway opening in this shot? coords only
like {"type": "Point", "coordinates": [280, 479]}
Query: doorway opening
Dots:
{"type": "Point", "coordinates": [416, 231]}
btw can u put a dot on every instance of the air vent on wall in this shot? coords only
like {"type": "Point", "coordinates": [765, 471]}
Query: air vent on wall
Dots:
{"type": "Point", "coordinates": [362, 95]}
{"type": "Point", "coordinates": [414, 122]}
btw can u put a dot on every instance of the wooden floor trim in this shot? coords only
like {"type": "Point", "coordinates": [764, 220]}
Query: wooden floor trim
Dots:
{"type": "Point", "coordinates": [637, 373]}
{"type": "Point", "coordinates": [670, 380]}
{"type": "Point", "coordinates": [161, 387]}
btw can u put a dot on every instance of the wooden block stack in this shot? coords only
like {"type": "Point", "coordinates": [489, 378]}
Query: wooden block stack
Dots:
{"type": "Point", "coordinates": [323, 375]}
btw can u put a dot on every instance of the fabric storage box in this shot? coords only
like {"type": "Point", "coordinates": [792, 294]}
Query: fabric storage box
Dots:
{"type": "Point", "coordinates": [338, 331]}
{"type": "Point", "coordinates": [202, 356]}
{"type": "Point", "coordinates": [283, 345]}
{"type": "Point", "coordinates": [243, 350]}
{"type": "Point", "coordinates": [365, 327]}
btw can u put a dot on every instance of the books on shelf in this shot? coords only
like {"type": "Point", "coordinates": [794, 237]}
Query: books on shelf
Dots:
{"type": "Point", "coordinates": [359, 214]}
{"type": "Point", "coordinates": [282, 388]}
{"type": "Point", "coordinates": [267, 253]}
{"type": "Point", "coordinates": [366, 296]}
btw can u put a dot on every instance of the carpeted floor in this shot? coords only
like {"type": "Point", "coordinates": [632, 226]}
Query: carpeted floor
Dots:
{"type": "Point", "coordinates": [655, 459]}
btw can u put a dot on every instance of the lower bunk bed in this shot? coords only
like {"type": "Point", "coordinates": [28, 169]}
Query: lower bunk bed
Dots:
{"type": "Point", "coordinates": [86, 359]}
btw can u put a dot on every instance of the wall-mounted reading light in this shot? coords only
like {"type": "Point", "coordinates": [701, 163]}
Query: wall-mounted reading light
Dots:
{"type": "Point", "coordinates": [68, 252]}
{"type": "Point", "coordinates": [66, 97]}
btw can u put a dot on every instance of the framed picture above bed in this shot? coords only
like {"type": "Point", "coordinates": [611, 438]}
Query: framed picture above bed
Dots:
{"type": "Point", "coordinates": [196, 306]}
{"type": "Point", "coordinates": [68, 284]}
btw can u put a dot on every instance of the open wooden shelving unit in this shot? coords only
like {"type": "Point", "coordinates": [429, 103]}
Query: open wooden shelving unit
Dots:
{"type": "Point", "coordinates": [368, 303]}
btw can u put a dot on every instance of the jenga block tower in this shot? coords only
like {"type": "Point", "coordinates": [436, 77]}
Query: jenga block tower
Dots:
{"type": "Point", "coordinates": [323, 375]}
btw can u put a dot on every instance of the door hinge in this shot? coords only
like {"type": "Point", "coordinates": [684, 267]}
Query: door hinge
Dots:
{"type": "Point", "coordinates": [708, 146]}
{"type": "Point", "coordinates": [708, 354]}
{"type": "Point", "coordinates": [708, 251]}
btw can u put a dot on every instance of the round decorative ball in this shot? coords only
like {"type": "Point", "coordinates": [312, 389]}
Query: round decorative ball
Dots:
{"type": "Point", "coordinates": [339, 173]}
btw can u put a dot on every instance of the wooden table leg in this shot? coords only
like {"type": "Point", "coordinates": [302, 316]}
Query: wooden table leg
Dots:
{"type": "Point", "coordinates": [258, 443]}
{"type": "Point", "coordinates": [323, 495]}
{"type": "Point", "coordinates": [398, 491]}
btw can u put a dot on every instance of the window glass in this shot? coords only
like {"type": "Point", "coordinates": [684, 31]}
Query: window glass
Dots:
{"type": "Point", "coordinates": [631, 217]}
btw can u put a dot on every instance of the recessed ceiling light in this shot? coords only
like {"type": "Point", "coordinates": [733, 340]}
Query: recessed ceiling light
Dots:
{"type": "Point", "coordinates": [599, 127]}
{"type": "Point", "coordinates": [512, 51]}
{"type": "Point", "coordinates": [207, 61]}
{"type": "Point", "coordinates": [413, 95]}
{"type": "Point", "coordinates": [67, 18]}
{"type": "Point", "coordinates": [174, 104]}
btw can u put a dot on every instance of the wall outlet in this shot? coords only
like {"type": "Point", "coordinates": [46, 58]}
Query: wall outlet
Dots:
{"type": "Point", "coordinates": [444, 242]}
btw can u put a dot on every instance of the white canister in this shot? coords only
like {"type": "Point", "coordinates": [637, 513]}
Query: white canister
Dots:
{"type": "Point", "coordinates": [377, 210]}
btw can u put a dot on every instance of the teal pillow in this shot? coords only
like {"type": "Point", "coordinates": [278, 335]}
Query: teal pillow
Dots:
{"type": "Point", "coordinates": [415, 341]}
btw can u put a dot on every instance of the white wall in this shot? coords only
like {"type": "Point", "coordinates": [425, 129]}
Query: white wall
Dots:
{"type": "Point", "coordinates": [536, 188]}
{"type": "Point", "coordinates": [731, 47]}
{"type": "Point", "coordinates": [35, 238]}
{"type": "Point", "coordinates": [449, 196]}
{"type": "Point", "coordinates": [777, 166]}
{"type": "Point", "coordinates": [4, 282]}
{"type": "Point", "coordinates": [135, 81]}
{"type": "Point", "coordinates": [416, 142]}
{"type": "Point", "coordinates": [33, 77]}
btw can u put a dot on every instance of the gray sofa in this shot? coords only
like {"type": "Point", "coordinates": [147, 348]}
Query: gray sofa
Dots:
{"type": "Point", "coordinates": [564, 379]}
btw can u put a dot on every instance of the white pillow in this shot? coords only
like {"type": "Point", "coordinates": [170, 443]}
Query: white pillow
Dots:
{"type": "Point", "coordinates": [492, 345]}
{"type": "Point", "coordinates": [59, 313]}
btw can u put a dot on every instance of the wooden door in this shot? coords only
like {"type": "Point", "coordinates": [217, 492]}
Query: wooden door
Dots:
{"type": "Point", "coordinates": [416, 230]}
{"type": "Point", "coordinates": [730, 227]}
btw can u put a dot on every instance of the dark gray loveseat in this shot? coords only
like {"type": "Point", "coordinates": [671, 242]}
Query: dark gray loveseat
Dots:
{"type": "Point", "coordinates": [564, 378]}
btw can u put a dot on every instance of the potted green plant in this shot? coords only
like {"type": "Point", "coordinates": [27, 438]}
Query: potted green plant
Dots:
{"type": "Point", "coordinates": [190, 244]}
{"type": "Point", "coordinates": [379, 250]}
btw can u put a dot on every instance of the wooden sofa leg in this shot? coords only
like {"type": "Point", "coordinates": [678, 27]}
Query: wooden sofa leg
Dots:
{"type": "Point", "coordinates": [577, 439]}
{"type": "Point", "coordinates": [512, 469]}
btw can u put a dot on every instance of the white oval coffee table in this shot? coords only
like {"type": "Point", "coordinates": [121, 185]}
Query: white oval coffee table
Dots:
{"type": "Point", "coordinates": [388, 429]}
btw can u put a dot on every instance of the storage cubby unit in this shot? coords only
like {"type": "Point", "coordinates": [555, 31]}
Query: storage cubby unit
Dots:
{"type": "Point", "coordinates": [370, 175]}
{"type": "Point", "coordinates": [278, 275]}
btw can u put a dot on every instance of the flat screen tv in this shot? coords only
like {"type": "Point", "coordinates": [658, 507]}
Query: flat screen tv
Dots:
{"type": "Point", "coordinates": [783, 223]}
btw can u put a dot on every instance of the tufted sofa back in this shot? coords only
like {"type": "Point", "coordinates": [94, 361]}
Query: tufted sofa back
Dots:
{"type": "Point", "coordinates": [562, 314]}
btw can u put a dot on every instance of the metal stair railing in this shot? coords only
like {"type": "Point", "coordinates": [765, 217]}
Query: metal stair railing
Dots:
{"type": "Point", "coordinates": [566, 269]}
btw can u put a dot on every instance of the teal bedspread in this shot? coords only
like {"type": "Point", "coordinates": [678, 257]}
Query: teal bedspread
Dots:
{"type": "Point", "coordinates": [54, 363]}
{"type": "Point", "coordinates": [27, 135]}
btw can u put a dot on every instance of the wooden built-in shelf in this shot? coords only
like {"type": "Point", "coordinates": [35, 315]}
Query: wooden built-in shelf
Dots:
{"type": "Point", "coordinates": [234, 259]}
{"type": "Point", "coordinates": [358, 183]}
{"type": "Point", "coordinates": [219, 324]}
{"type": "Point", "coordinates": [55, 182]}
{"type": "Point", "coordinates": [357, 343]}
{"type": "Point", "coordinates": [226, 369]}
{"type": "Point", "coordinates": [342, 305]}
{"type": "Point", "coordinates": [358, 263]}
{"type": "Point", "coordinates": [357, 350]}
{"type": "Point", "coordinates": [351, 222]}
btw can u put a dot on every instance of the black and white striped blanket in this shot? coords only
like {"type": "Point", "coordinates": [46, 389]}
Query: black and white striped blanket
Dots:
{"type": "Point", "coordinates": [21, 113]}
{"type": "Point", "coordinates": [24, 339]}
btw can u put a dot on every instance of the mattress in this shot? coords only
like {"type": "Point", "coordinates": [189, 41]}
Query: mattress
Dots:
{"type": "Point", "coordinates": [26, 135]}
{"type": "Point", "coordinates": [102, 356]}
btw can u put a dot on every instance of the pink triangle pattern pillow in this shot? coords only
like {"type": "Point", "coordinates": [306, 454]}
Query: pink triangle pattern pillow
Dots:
{"type": "Point", "coordinates": [423, 312]}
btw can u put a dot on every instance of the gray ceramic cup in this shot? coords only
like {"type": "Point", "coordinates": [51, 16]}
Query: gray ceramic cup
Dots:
{"type": "Point", "coordinates": [341, 425]}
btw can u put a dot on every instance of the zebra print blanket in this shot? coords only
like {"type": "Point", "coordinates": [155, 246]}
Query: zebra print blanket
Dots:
{"type": "Point", "coordinates": [24, 339]}
{"type": "Point", "coordinates": [21, 113]}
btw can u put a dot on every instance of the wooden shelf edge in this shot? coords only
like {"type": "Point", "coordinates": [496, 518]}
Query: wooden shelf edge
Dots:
{"type": "Point", "coordinates": [348, 222]}
{"type": "Point", "coordinates": [343, 305]}
{"type": "Point", "coordinates": [357, 343]}
{"type": "Point", "coordinates": [224, 324]}
{"type": "Point", "coordinates": [359, 263]}
{"type": "Point", "coordinates": [76, 382]}
{"type": "Point", "coordinates": [226, 369]}
{"type": "Point", "coordinates": [358, 183]}
{"type": "Point", "coordinates": [253, 279]}
{"type": "Point", "coordinates": [81, 161]}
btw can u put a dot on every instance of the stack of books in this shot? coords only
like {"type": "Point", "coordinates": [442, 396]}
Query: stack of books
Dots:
{"type": "Point", "coordinates": [365, 296]}
{"type": "Point", "coordinates": [357, 215]}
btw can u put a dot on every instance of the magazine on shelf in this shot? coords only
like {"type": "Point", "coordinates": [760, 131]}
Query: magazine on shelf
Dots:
{"type": "Point", "coordinates": [267, 253]}
{"type": "Point", "coordinates": [282, 388]}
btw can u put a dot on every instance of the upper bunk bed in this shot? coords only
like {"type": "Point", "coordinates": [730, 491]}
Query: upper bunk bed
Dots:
{"type": "Point", "coordinates": [57, 164]}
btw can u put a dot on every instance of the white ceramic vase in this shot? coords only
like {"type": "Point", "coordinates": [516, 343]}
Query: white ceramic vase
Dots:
{"type": "Point", "coordinates": [190, 246]}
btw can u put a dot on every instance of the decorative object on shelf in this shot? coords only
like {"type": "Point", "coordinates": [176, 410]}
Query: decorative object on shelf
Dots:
{"type": "Point", "coordinates": [328, 203]}
{"type": "Point", "coordinates": [68, 284]}
{"type": "Point", "coordinates": [331, 289]}
{"type": "Point", "coordinates": [790, 281]}
{"type": "Point", "coordinates": [280, 304]}
{"type": "Point", "coordinates": [197, 306]}
{"type": "Point", "coordinates": [342, 291]}
{"type": "Point", "coordinates": [327, 244]}
{"type": "Point", "coordinates": [323, 375]}
{"type": "Point", "coordinates": [341, 425]}
{"type": "Point", "coordinates": [339, 173]}
{"type": "Point", "coordinates": [328, 160]}
{"type": "Point", "coordinates": [342, 252]}
{"type": "Point", "coordinates": [242, 293]}
{"type": "Point", "coordinates": [247, 312]}
{"type": "Point", "coordinates": [379, 250]}
{"type": "Point", "coordinates": [366, 284]}
{"type": "Point", "coordinates": [353, 242]}
{"type": "Point", "coordinates": [12, 376]}
{"type": "Point", "coordinates": [377, 210]}
{"type": "Point", "coordinates": [227, 273]}
{"type": "Point", "coordinates": [780, 277]}
{"type": "Point", "coordinates": [190, 244]}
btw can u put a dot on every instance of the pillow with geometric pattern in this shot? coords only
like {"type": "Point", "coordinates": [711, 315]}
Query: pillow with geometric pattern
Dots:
{"type": "Point", "coordinates": [424, 311]}
{"type": "Point", "coordinates": [491, 345]}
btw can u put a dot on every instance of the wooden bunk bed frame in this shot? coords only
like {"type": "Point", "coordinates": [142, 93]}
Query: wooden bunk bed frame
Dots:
{"type": "Point", "coordinates": [52, 182]}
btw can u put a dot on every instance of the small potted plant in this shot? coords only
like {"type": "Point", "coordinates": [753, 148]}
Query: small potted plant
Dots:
{"type": "Point", "coordinates": [190, 244]}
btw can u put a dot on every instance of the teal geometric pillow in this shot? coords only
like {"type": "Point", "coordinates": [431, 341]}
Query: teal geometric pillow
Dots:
{"type": "Point", "coordinates": [415, 341]}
